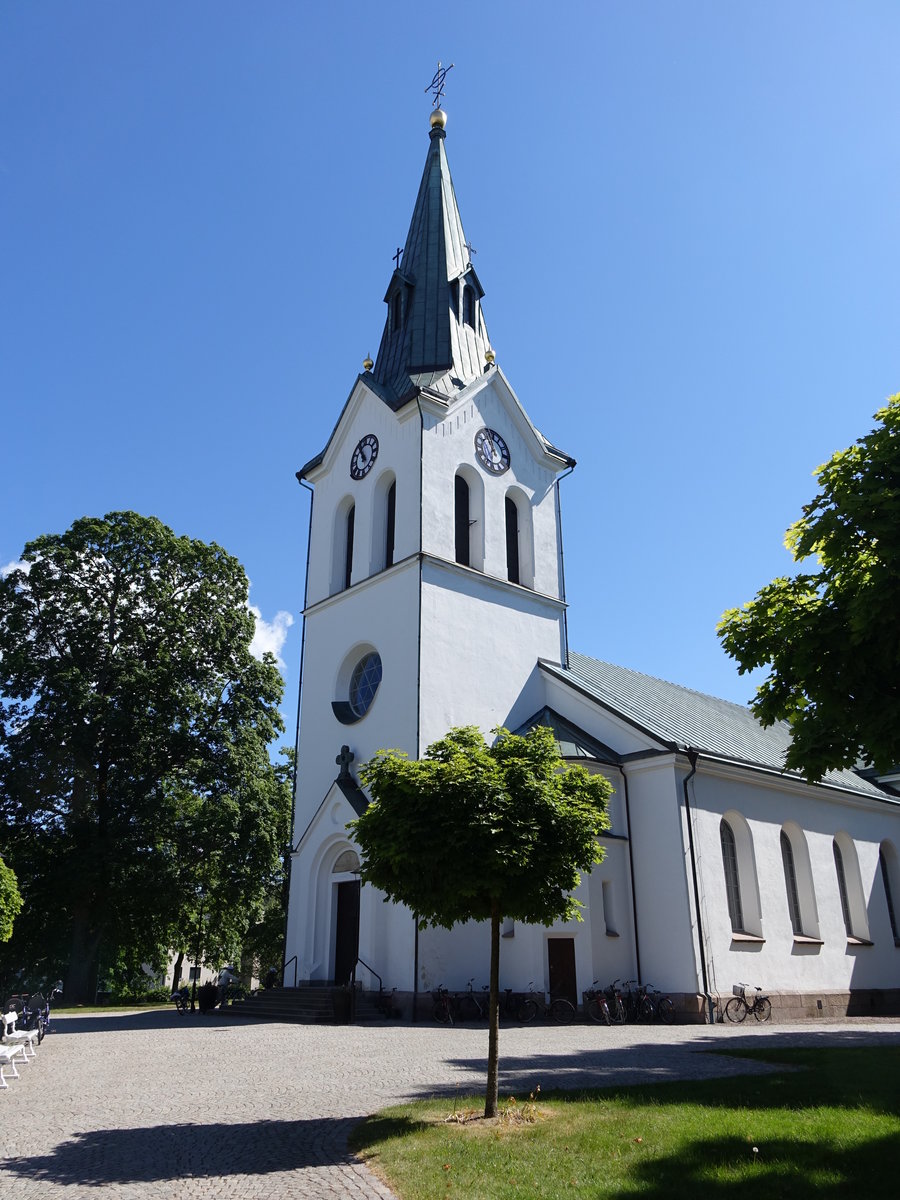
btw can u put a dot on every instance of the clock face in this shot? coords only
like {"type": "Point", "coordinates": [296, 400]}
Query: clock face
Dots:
{"type": "Point", "coordinates": [363, 457]}
{"type": "Point", "coordinates": [492, 451]}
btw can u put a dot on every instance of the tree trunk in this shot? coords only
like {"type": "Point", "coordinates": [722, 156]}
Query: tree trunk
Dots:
{"type": "Point", "coordinates": [490, 1100]}
{"type": "Point", "coordinates": [176, 970]}
{"type": "Point", "coordinates": [81, 977]}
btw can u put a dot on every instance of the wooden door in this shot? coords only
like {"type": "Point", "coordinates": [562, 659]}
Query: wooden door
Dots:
{"type": "Point", "coordinates": [561, 961]}
{"type": "Point", "coordinates": [346, 941]}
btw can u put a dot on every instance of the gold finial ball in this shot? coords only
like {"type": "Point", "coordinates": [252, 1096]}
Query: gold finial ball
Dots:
{"type": "Point", "coordinates": [489, 358]}
{"type": "Point", "coordinates": [438, 119]}
{"type": "Point", "coordinates": [367, 363]}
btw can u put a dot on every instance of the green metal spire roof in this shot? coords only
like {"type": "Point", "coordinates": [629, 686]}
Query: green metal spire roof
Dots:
{"type": "Point", "coordinates": [427, 341]}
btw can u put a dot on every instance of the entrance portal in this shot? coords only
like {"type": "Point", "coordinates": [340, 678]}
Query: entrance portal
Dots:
{"type": "Point", "coordinates": [561, 960]}
{"type": "Point", "coordinates": [346, 938]}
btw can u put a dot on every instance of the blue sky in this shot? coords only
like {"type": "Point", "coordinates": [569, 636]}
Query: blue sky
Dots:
{"type": "Point", "coordinates": [685, 218]}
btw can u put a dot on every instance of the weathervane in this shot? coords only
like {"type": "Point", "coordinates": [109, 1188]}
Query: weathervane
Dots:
{"type": "Point", "coordinates": [436, 87]}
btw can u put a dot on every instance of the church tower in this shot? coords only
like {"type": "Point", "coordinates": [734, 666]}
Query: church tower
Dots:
{"type": "Point", "coordinates": [434, 583]}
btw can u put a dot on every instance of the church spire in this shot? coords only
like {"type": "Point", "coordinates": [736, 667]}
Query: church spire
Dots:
{"type": "Point", "coordinates": [434, 335]}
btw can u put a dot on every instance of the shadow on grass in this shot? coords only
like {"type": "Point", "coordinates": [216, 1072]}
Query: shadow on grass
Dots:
{"type": "Point", "coordinates": [171, 1152]}
{"type": "Point", "coordinates": [788, 1169]}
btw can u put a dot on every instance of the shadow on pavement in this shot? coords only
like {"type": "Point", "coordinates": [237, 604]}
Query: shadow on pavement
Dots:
{"type": "Point", "coordinates": [154, 1018]}
{"type": "Point", "coordinates": [614, 1066]}
{"type": "Point", "coordinates": [162, 1152]}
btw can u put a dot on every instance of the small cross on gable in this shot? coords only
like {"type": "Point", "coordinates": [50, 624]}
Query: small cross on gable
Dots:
{"type": "Point", "coordinates": [343, 760]}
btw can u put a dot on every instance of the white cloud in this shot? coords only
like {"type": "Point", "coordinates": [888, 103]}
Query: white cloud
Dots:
{"type": "Point", "coordinates": [270, 635]}
{"type": "Point", "coordinates": [15, 566]}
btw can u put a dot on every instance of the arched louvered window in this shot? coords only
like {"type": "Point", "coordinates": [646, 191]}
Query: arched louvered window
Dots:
{"type": "Point", "coordinates": [790, 883]}
{"type": "Point", "coordinates": [512, 541]}
{"type": "Point", "coordinates": [732, 877]}
{"type": "Point", "coordinates": [469, 306]}
{"type": "Point", "coordinates": [390, 516]}
{"type": "Point", "coordinates": [348, 545]}
{"type": "Point", "coordinates": [463, 552]}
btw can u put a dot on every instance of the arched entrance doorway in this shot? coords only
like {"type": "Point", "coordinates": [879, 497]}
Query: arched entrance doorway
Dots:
{"type": "Point", "coordinates": [345, 881]}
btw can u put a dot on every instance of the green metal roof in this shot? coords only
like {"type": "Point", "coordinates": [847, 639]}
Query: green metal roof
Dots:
{"type": "Point", "coordinates": [682, 719]}
{"type": "Point", "coordinates": [432, 347]}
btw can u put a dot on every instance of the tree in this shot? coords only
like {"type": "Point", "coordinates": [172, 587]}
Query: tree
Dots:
{"type": "Point", "coordinates": [831, 637]}
{"type": "Point", "coordinates": [10, 901]}
{"type": "Point", "coordinates": [518, 823]}
{"type": "Point", "coordinates": [126, 686]}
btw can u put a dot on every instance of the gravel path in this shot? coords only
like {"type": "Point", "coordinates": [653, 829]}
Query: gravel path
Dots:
{"type": "Point", "coordinates": [156, 1105]}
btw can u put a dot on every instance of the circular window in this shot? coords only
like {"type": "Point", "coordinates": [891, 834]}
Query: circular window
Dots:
{"type": "Point", "coordinates": [364, 683]}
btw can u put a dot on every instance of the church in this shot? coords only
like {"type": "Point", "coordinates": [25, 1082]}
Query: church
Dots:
{"type": "Point", "coordinates": [434, 598]}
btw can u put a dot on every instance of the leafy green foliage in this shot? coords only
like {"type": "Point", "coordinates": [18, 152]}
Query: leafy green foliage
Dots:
{"type": "Point", "coordinates": [134, 726]}
{"type": "Point", "coordinates": [10, 901]}
{"type": "Point", "coordinates": [831, 637]}
{"type": "Point", "coordinates": [517, 825]}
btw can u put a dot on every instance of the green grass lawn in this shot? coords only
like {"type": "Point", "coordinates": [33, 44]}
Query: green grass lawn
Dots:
{"type": "Point", "coordinates": [828, 1125]}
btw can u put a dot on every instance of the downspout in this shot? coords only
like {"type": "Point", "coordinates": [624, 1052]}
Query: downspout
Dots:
{"type": "Point", "coordinates": [291, 846]}
{"type": "Point", "coordinates": [693, 758]}
{"type": "Point", "coordinates": [562, 567]}
{"type": "Point", "coordinates": [637, 946]}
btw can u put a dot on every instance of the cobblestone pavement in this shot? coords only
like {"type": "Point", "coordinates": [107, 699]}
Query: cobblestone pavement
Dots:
{"type": "Point", "coordinates": [153, 1105]}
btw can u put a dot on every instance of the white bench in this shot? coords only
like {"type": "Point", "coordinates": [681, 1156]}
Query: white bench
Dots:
{"type": "Point", "coordinates": [8, 1055]}
{"type": "Point", "coordinates": [27, 1037]}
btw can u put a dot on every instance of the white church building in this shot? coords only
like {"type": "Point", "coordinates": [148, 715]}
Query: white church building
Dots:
{"type": "Point", "coordinates": [435, 598]}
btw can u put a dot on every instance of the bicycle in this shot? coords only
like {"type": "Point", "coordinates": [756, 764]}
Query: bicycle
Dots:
{"type": "Point", "coordinates": [738, 1007]}
{"type": "Point", "coordinates": [510, 1003]}
{"type": "Point", "coordinates": [560, 1010]}
{"type": "Point", "coordinates": [596, 1006]}
{"type": "Point", "coordinates": [663, 1007]}
{"type": "Point", "coordinates": [638, 1005]}
{"type": "Point", "coordinates": [469, 1005]}
{"type": "Point", "coordinates": [442, 1011]}
{"type": "Point", "coordinates": [615, 1003]}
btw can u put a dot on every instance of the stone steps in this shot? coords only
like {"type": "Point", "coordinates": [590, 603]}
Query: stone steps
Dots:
{"type": "Point", "coordinates": [324, 1004]}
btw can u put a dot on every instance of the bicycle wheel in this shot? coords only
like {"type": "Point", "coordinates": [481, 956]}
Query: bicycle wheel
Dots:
{"type": "Point", "coordinates": [735, 1009]}
{"type": "Point", "coordinates": [665, 1010]}
{"type": "Point", "coordinates": [441, 1012]}
{"type": "Point", "coordinates": [616, 1010]}
{"type": "Point", "coordinates": [598, 1010]}
{"type": "Point", "coordinates": [762, 1009]}
{"type": "Point", "coordinates": [562, 1012]}
{"type": "Point", "coordinates": [528, 1010]}
{"type": "Point", "coordinates": [646, 1011]}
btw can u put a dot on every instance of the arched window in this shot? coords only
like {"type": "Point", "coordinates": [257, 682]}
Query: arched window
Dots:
{"type": "Point", "coordinates": [887, 862]}
{"type": "Point", "coordinates": [390, 516]}
{"type": "Point", "coordinates": [732, 877]}
{"type": "Point", "coordinates": [790, 882]}
{"type": "Point", "coordinates": [798, 883]}
{"type": "Point", "coordinates": [842, 887]}
{"type": "Point", "coordinates": [396, 311]}
{"type": "Point", "coordinates": [348, 545]}
{"type": "Point", "coordinates": [454, 297]}
{"type": "Point", "coordinates": [850, 888]}
{"type": "Point", "coordinates": [461, 519]}
{"type": "Point", "coordinates": [512, 540]}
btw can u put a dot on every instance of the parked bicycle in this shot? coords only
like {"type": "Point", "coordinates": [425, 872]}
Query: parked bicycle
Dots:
{"type": "Point", "coordinates": [470, 1006]}
{"type": "Point", "coordinates": [596, 1005]}
{"type": "Point", "coordinates": [744, 1002]}
{"type": "Point", "coordinates": [559, 1010]}
{"type": "Point", "coordinates": [442, 1010]}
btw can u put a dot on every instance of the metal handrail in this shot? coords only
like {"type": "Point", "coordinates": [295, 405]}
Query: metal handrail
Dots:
{"type": "Point", "coordinates": [371, 971]}
{"type": "Point", "coordinates": [284, 967]}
